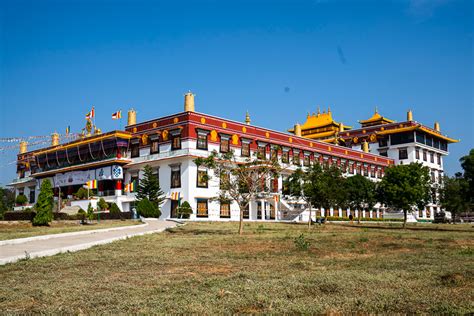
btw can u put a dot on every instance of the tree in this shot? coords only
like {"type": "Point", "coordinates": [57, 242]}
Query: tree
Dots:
{"type": "Point", "coordinates": [360, 193]}
{"type": "Point", "coordinates": [102, 204]}
{"type": "Point", "coordinates": [184, 210]}
{"type": "Point", "coordinates": [146, 208]}
{"type": "Point", "coordinates": [149, 187]}
{"type": "Point", "coordinates": [90, 212]}
{"type": "Point", "coordinates": [240, 180]}
{"type": "Point", "coordinates": [405, 187]}
{"type": "Point", "coordinates": [44, 205]}
{"type": "Point", "coordinates": [7, 199]}
{"type": "Point", "coordinates": [453, 195]}
{"type": "Point", "coordinates": [114, 209]}
{"type": "Point", "coordinates": [467, 163]}
{"type": "Point", "coordinates": [82, 194]}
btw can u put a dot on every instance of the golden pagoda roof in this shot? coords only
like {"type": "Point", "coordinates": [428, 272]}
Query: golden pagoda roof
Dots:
{"type": "Point", "coordinates": [376, 118]}
{"type": "Point", "coordinates": [319, 119]}
{"type": "Point", "coordinates": [418, 127]}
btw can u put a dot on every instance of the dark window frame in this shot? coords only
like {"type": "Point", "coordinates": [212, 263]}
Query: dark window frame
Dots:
{"type": "Point", "coordinates": [199, 201]}
{"type": "Point", "coordinates": [198, 184]}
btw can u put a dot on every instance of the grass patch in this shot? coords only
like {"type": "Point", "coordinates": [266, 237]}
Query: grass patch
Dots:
{"type": "Point", "coordinates": [206, 268]}
{"type": "Point", "coordinates": [13, 230]}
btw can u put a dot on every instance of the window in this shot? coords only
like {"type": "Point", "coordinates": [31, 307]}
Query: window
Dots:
{"type": "Point", "coordinates": [247, 212]}
{"type": "Point", "coordinates": [261, 152]}
{"type": "Point", "coordinates": [225, 210]}
{"type": "Point", "coordinates": [201, 141]}
{"type": "Point", "coordinates": [439, 159]}
{"type": "Point", "coordinates": [402, 153]}
{"type": "Point", "coordinates": [296, 157]}
{"type": "Point", "coordinates": [274, 153]}
{"type": "Point", "coordinates": [135, 148]}
{"type": "Point", "coordinates": [433, 176]}
{"type": "Point", "coordinates": [417, 153]}
{"type": "Point", "coordinates": [245, 149]}
{"type": "Point", "coordinates": [432, 157]}
{"type": "Point", "coordinates": [32, 195]}
{"type": "Point", "coordinates": [176, 176]}
{"type": "Point", "coordinates": [224, 181]}
{"type": "Point", "coordinates": [154, 145]}
{"type": "Point", "coordinates": [134, 183]}
{"type": "Point", "coordinates": [383, 142]}
{"type": "Point", "coordinates": [306, 161]}
{"type": "Point", "coordinates": [424, 155]}
{"type": "Point", "coordinates": [201, 208]}
{"type": "Point", "coordinates": [202, 179]}
{"type": "Point", "coordinates": [372, 172]}
{"type": "Point", "coordinates": [402, 138]}
{"type": "Point", "coordinates": [383, 153]}
{"type": "Point", "coordinates": [285, 156]}
{"type": "Point", "coordinates": [344, 166]}
{"type": "Point", "coordinates": [175, 142]}
{"type": "Point", "coordinates": [420, 137]}
{"type": "Point", "coordinates": [275, 185]}
{"type": "Point", "coordinates": [429, 141]}
{"type": "Point", "coordinates": [224, 147]}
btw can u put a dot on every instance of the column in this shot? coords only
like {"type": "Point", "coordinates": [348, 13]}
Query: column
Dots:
{"type": "Point", "coordinates": [118, 187]}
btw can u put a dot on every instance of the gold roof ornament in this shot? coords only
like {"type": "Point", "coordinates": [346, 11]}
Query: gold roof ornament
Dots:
{"type": "Point", "coordinates": [247, 118]}
{"type": "Point", "coordinates": [376, 119]}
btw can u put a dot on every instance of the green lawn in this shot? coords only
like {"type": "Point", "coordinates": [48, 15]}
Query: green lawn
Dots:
{"type": "Point", "coordinates": [12, 230]}
{"type": "Point", "coordinates": [207, 268]}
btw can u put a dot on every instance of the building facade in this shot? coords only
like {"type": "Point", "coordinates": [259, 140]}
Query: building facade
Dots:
{"type": "Point", "coordinates": [170, 144]}
{"type": "Point", "coordinates": [403, 142]}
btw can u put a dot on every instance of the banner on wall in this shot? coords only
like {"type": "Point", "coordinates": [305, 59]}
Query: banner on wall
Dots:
{"type": "Point", "coordinates": [73, 177]}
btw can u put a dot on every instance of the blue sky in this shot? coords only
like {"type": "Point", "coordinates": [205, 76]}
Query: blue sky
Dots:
{"type": "Point", "coordinates": [277, 59]}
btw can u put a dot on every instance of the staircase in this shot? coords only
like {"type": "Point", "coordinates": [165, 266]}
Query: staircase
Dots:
{"type": "Point", "coordinates": [291, 213]}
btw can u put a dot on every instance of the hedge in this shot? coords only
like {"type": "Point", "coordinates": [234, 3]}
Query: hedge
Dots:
{"type": "Point", "coordinates": [19, 216]}
{"type": "Point", "coordinates": [363, 219]}
{"type": "Point", "coordinates": [28, 216]}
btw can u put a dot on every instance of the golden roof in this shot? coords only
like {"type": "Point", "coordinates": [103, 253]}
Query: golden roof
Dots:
{"type": "Point", "coordinates": [417, 127]}
{"type": "Point", "coordinates": [319, 119]}
{"type": "Point", "coordinates": [376, 118]}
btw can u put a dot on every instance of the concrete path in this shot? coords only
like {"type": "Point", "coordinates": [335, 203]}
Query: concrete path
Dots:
{"type": "Point", "coordinates": [41, 247]}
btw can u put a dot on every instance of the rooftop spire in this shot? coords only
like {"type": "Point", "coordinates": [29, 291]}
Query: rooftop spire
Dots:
{"type": "Point", "coordinates": [247, 118]}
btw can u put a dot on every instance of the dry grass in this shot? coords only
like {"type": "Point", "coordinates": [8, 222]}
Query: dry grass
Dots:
{"type": "Point", "coordinates": [207, 268]}
{"type": "Point", "coordinates": [22, 229]}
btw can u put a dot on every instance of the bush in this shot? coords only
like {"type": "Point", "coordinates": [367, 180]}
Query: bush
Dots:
{"type": "Point", "coordinates": [146, 208]}
{"type": "Point", "coordinates": [114, 209]}
{"type": "Point", "coordinates": [102, 205]}
{"type": "Point", "coordinates": [301, 243]}
{"type": "Point", "coordinates": [184, 210]}
{"type": "Point", "coordinates": [81, 194]}
{"type": "Point", "coordinates": [19, 216]}
{"type": "Point", "coordinates": [60, 216]}
{"type": "Point", "coordinates": [21, 199]}
{"type": "Point", "coordinates": [90, 211]}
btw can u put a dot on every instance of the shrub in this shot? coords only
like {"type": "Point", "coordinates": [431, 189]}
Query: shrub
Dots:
{"type": "Point", "coordinates": [146, 208]}
{"type": "Point", "coordinates": [184, 210]}
{"type": "Point", "coordinates": [19, 216]}
{"type": "Point", "coordinates": [90, 212]}
{"type": "Point", "coordinates": [81, 194]}
{"type": "Point", "coordinates": [102, 205]}
{"type": "Point", "coordinates": [301, 243]}
{"type": "Point", "coordinates": [21, 199]}
{"type": "Point", "coordinates": [114, 209]}
{"type": "Point", "coordinates": [81, 214]}
{"type": "Point", "coordinates": [44, 206]}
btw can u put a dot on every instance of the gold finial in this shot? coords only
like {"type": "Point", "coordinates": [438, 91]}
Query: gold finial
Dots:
{"type": "Point", "coordinates": [376, 110]}
{"type": "Point", "coordinates": [132, 117]}
{"type": "Point", "coordinates": [436, 127]}
{"type": "Point", "coordinates": [54, 139]}
{"type": "Point", "coordinates": [298, 129]}
{"type": "Point", "coordinates": [23, 147]}
{"type": "Point", "coordinates": [341, 127]}
{"type": "Point", "coordinates": [189, 102]}
{"type": "Point", "coordinates": [329, 109]}
{"type": "Point", "coordinates": [319, 111]}
{"type": "Point", "coordinates": [247, 118]}
{"type": "Point", "coordinates": [365, 146]}
{"type": "Point", "coordinates": [409, 115]}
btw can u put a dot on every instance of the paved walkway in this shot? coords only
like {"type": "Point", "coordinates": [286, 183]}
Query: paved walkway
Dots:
{"type": "Point", "coordinates": [40, 247]}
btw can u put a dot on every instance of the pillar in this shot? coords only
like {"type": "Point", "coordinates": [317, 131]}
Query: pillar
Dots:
{"type": "Point", "coordinates": [100, 188]}
{"type": "Point", "coordinates": [118, 187]}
